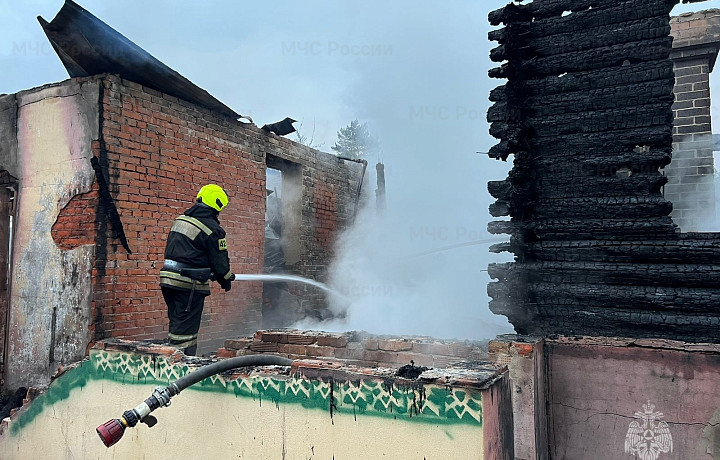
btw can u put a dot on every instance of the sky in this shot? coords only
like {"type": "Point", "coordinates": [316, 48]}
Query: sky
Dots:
{"type": "Point", "coordinates": [416, 72]}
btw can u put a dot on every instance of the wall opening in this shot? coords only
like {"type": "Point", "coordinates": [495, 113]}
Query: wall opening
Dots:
{"type": "Point", "coordinates": [283, 247]}
{"type": "Point", "coordinates": [8, 198]}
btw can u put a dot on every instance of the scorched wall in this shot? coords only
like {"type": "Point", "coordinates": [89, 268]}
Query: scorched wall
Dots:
{"type": "Point", "coordinates": [104, 166]}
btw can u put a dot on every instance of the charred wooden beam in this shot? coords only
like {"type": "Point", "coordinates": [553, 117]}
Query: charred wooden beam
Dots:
{"type": "Point", "coordinates": [608, 56]}
{"type": "Point", "coordinates": [680, 250]}
{"type": "Point", "coordinates": [587, 81]}
{"type": "Point", "coordinates": [586, 112]}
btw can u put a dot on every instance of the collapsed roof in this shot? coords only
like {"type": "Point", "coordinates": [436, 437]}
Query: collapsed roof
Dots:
{"type": "Point", "coordinates": [87, 46]}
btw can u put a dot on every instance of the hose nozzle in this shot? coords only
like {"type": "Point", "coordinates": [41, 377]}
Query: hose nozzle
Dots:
{"type": "Point", "coordinates": [111, 431]}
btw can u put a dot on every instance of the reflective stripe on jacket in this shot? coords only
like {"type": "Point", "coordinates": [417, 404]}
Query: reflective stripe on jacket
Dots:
{"type": "Point", "coordinates": [196, 240]}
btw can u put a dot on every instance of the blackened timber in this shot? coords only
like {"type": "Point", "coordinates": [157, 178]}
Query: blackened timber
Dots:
{"type": "Point", "coordinates": [509, 14]}
{"type": "Point", "coordinates": [615, 34]}
{"type": "Point", "coordinates": [586, 112]}
{"type": "Point", "coordinates": [553, 9]}
{"type": "Point", "coordinates": [660, 299]}
{"type": "Point", "coordinates": [612, 77]}
{"type": "Point", "coordinates": [607, 321]}
{"type": "Point", "coordinates": [499, 248]}
{"type": "Point", "coordinates": [659, 136]}
{"type": "Point", "coordinates": [629, 95]}
{"type": "Point", "coordinates": [501, 189]}
{"type": "Point", "coordinates": [597, 228]}
{"type": "Point", "coordinates": [503, 149]}
{"type": "Point", "coordinates": [602, 121]}
{"type": "Point", "coordinates": [679, 251]}
{"type": "Point", "coordinates": [603, 163]}
{"type": "Point", "coordinates": [500, 208]}
{"type": "Point", "coordinates": [637, 185]}
{"type": "Point", "coordinates": [603, 207]}
{"type": "Point", "coordinates": [611, 273]}
{"type": "Point", "coordinates": [592, 22]}
{"type": "Point", "coordinates": [501, 226]}
{"type": "Point", "coordinates": [600, 228]}
{"type": "Point", "coordinates": [599, 58]}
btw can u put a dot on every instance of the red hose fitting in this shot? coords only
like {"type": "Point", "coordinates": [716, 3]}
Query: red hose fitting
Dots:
{"type": "Point", "coordinates": [111, 431]}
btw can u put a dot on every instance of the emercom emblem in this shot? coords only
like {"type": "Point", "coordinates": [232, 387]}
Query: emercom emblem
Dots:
{"type": "Point", "coordinates": [648, 436]}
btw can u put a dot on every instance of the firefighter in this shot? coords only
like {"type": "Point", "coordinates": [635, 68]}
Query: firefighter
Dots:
{"type": "Point", "coordinates": [196, 252]}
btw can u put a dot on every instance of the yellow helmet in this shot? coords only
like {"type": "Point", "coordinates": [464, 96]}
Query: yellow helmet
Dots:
{"type": "Point", "coordinates": [213, 196]}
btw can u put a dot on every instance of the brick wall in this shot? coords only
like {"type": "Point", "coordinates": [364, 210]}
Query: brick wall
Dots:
{"type": "Point", "coordinates": [357, 348]}
{"type": "Point", "coordinates": [691, 185]}
{"type": "Point", "coordinates": [329, 187]}
{"type": "Point", "coordinates": [156, 151]}
{"type": "Point", "coordinates": [76, 225]}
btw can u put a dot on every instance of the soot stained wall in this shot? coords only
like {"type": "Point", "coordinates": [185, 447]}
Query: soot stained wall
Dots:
{"type": "Point", "coordinates": [105, 163]}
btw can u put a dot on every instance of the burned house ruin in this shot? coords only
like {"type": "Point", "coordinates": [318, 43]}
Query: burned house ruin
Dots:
{"type": "Point", "coordinates": [607, 118]}
{"type": "Point", "coordinates": [98, 166]}
{"type": "Point", "coordinates": [587, 115]}
{"type": "Point", "coordinates": [606, 114]}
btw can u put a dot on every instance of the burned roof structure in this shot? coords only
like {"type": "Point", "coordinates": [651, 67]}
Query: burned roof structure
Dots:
{"type": "Point", "coordinates": [87, 46]}
{"type": "Point", "coordinates": [586, 112]}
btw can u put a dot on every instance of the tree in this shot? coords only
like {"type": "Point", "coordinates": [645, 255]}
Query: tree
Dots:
{"type": "Point", "coordinates": [305, 140]}
{"type": "Point", "coordinates": [355, 141]}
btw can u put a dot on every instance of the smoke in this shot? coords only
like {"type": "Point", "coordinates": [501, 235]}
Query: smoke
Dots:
{"type": "Point", "coordinates": [395, 273]}
{"type": "Point", "coordinates": [692, 184]}
{"type": "Point", "coordinates": [425, 100]}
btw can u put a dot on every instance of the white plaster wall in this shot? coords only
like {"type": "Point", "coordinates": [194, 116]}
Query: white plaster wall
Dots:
{"type": "Point", "coordinates": [208, 425]}
{"type": "Point", "coordinates": [55, 127]}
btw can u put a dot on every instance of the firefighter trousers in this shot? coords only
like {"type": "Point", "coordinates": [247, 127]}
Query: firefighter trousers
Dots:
{"type": "Point", "coordinates": [184, 314]}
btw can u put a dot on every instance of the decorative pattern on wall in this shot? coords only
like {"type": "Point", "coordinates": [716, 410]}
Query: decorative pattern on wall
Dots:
{"type": "Point", "coordinates": [365, 397]}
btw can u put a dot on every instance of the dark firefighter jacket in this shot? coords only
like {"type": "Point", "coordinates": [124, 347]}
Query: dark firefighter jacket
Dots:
{"type": "Point", "coordinates": [196, 240]}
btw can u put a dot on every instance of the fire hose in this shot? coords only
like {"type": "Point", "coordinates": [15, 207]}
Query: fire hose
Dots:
{"type": "Point", "coordinates": [111, 431]}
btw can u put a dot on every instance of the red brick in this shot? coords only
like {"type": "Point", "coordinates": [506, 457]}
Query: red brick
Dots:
{"type": "Point", "coordinates": [225, 353]}
{"type": "Point", "coordinates": [271, 336]}
{"type": "Point", "coordinates": [314, 350]}
{"type": "Point", "coordinates": [417, 359]}
{"type": "Point", "coordinates": [496, 346]}
{"type": "Point", "coordinates": [460, 351]}
{"type": "Point", "coordinates": [158, 151]}
{"type": "Point", "coordinates": [264, 346]}
{"type": "Point", "coordinates": [292, 349]}
{"type": "Point", "coordinates": [301, 339]}
{"type": "Point", "coordinates": [349, 353]}
{"type": "Point", "coordinates": [435, 348]}
{"type": "Point", "coordinates": [332, 341]}
{"type": "Point", "coordinates": [370, 344]}
{"type": "Point", "coordinates": [523, 349]}
{"type": "Point", "coordinates": [238, 344]}
{"type": "Point", "coordinates": [382, 357]}
{"type": "Point", "coordinates": [395, 345]}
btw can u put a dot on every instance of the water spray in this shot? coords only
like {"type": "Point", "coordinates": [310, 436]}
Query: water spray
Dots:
{"type": "Point", "coordinates": [111, 431]}
{"type": "Point", "coordinates": [292, 278]}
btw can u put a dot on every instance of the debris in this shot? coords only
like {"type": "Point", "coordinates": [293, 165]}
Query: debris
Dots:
{"type": "Point", "coordinates": [411, 371]}
{"type": "Point", "coordinates": [282, 127]}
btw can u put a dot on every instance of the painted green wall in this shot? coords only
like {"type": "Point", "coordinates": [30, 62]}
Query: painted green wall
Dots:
{"type": "Point", "coordinates": [256, 416]}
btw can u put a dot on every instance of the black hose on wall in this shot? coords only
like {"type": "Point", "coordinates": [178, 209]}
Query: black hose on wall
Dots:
{"type": "Point", "coordinates": [226, 365]}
